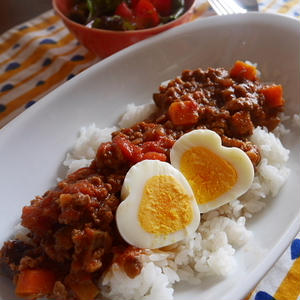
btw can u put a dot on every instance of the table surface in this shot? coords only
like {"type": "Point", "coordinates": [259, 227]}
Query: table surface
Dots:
{"type": "Point", "coordinates": [14, 12]}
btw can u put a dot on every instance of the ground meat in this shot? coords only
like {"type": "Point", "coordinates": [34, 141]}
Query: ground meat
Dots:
{"type": "Point", "coordinates": [72, 227]}
{"type": "Point", "coordinates": [90, 245]}
{"type": "Point", "coordinates": [129, 259]}
{"type": "Point", "coordinates": [229, 106]}
{"type": "Point", "coordinates": [59, 291]}
{"type": "Point", "coordinates": [11, 254]}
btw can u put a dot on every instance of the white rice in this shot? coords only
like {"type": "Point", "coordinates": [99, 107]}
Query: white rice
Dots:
{"type": "Point", "coordinates": [152, 283]}
{"type": "Point", "coordinates": [211, 250]}
{"type": "Point", "coordinates": [296, 119]}
{"type": "Point", "coordinates": [136, 113]}
{"type": "Point", "coordinates": [86, 146]}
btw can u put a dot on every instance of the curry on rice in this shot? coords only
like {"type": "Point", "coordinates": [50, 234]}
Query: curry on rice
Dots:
{"type": "Point", "coordinates": [73, 237]}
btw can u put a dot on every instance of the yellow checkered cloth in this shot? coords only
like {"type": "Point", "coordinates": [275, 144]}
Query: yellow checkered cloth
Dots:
{"type": "Point", "coordinates": [41, 54]}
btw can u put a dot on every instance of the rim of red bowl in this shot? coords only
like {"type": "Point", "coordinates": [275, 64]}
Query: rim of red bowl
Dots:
{"type": "Point", "coordinates": [127, 32]}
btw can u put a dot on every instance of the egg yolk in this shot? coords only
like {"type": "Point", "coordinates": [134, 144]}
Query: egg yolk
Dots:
{"type": "Point", "coordinates": [209, 175]}
{"type": "Point", "coordinates": [165, 206]}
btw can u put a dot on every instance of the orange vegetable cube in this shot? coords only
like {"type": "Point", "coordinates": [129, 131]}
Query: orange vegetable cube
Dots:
{"type": "Point", "coordinates": [184, 113]}
{"type": "Point", "coordinates": [242, 70]}
{"type": "Point", "coordinates": [273, 95]}
{"type": "Point", "coordinates": [31, 283]}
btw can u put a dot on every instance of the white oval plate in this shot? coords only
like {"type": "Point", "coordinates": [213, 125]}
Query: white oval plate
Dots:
{"type": "Point", "coordinates": [33, 146]}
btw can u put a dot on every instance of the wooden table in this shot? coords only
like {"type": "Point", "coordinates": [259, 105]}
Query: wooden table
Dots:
{"type": "Point", "coordinates": [14, 12]}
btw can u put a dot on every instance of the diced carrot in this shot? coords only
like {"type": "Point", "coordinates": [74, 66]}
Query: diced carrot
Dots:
{"type": "Point", "coordinates": [273, 95]}
{"type": "Point", "coordinates": [242, 70]}
{"type": "Point", "coordinates": [85, 289]}
{"type": "Point", "coordinates": [36, 282]}
{"type": "Point", "coordinates": [184, 113]}
{"type": "Point", "coordinates": [155, 156]}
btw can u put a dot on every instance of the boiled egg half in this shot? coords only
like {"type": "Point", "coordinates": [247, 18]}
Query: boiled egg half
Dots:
{"type": "Point", "coordinates": [217, 174]}
{"type": "Point", "coordinates": [158, 207]}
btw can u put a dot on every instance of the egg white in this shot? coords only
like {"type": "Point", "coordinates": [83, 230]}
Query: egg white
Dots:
{"type": "Point", "coordinates": [235, 156]}
{"type": "Point", "coordinates": [132, 192]}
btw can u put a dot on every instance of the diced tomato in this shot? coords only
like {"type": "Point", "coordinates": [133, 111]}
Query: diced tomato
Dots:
{"type": "Point", "coordinates": [124, 11]}
{"type": "Point", "coordinates": [146, 14]}
{"type": "Point", "coordinates": [134, 3]}
{"type": "Point", "coordinates": [81, 186]}
{"type": "Point", "coordinates": [125, 146]}
{"type": "Point", "coordinates": [242, 70]}
{"type": "Point", "coordinates": [184, 113]}
{"type": "Point", "coordinates": [155, 156]}
{"type": "Point", "coordinates": [69, 215]}
{"type": "Point", "coordinates": [273, 95]}
{"type": "Point", "coordinates": [166, 142]}
{"type": "Point", "coordinates": [104, 148]}
{"type": "Point", "coordinates": [34, 219]}
{"type": "Point", "coordinates": [153, 146]}
{"type": "Point", "coordinates": [130, 151]}
{"type": "Point", "coordinates": [159, 145]}
{"type": "Point", "coordinates": [164, 7]}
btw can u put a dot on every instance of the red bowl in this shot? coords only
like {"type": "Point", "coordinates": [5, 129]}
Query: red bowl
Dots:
{"type": "Point", "coordinates": [106, 42]}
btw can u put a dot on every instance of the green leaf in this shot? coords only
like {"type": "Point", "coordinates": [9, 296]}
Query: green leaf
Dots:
{"type": "Point", "coordinates": [90, 8]}
{"type": "Point", "coordinates": [177, 4]}
{"type": "Point", "coordinates": [99, 8]}
{"type": "Point", "coordinates": [177, 11]}
{"type": "Point", "coordinates": [128, 25]}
